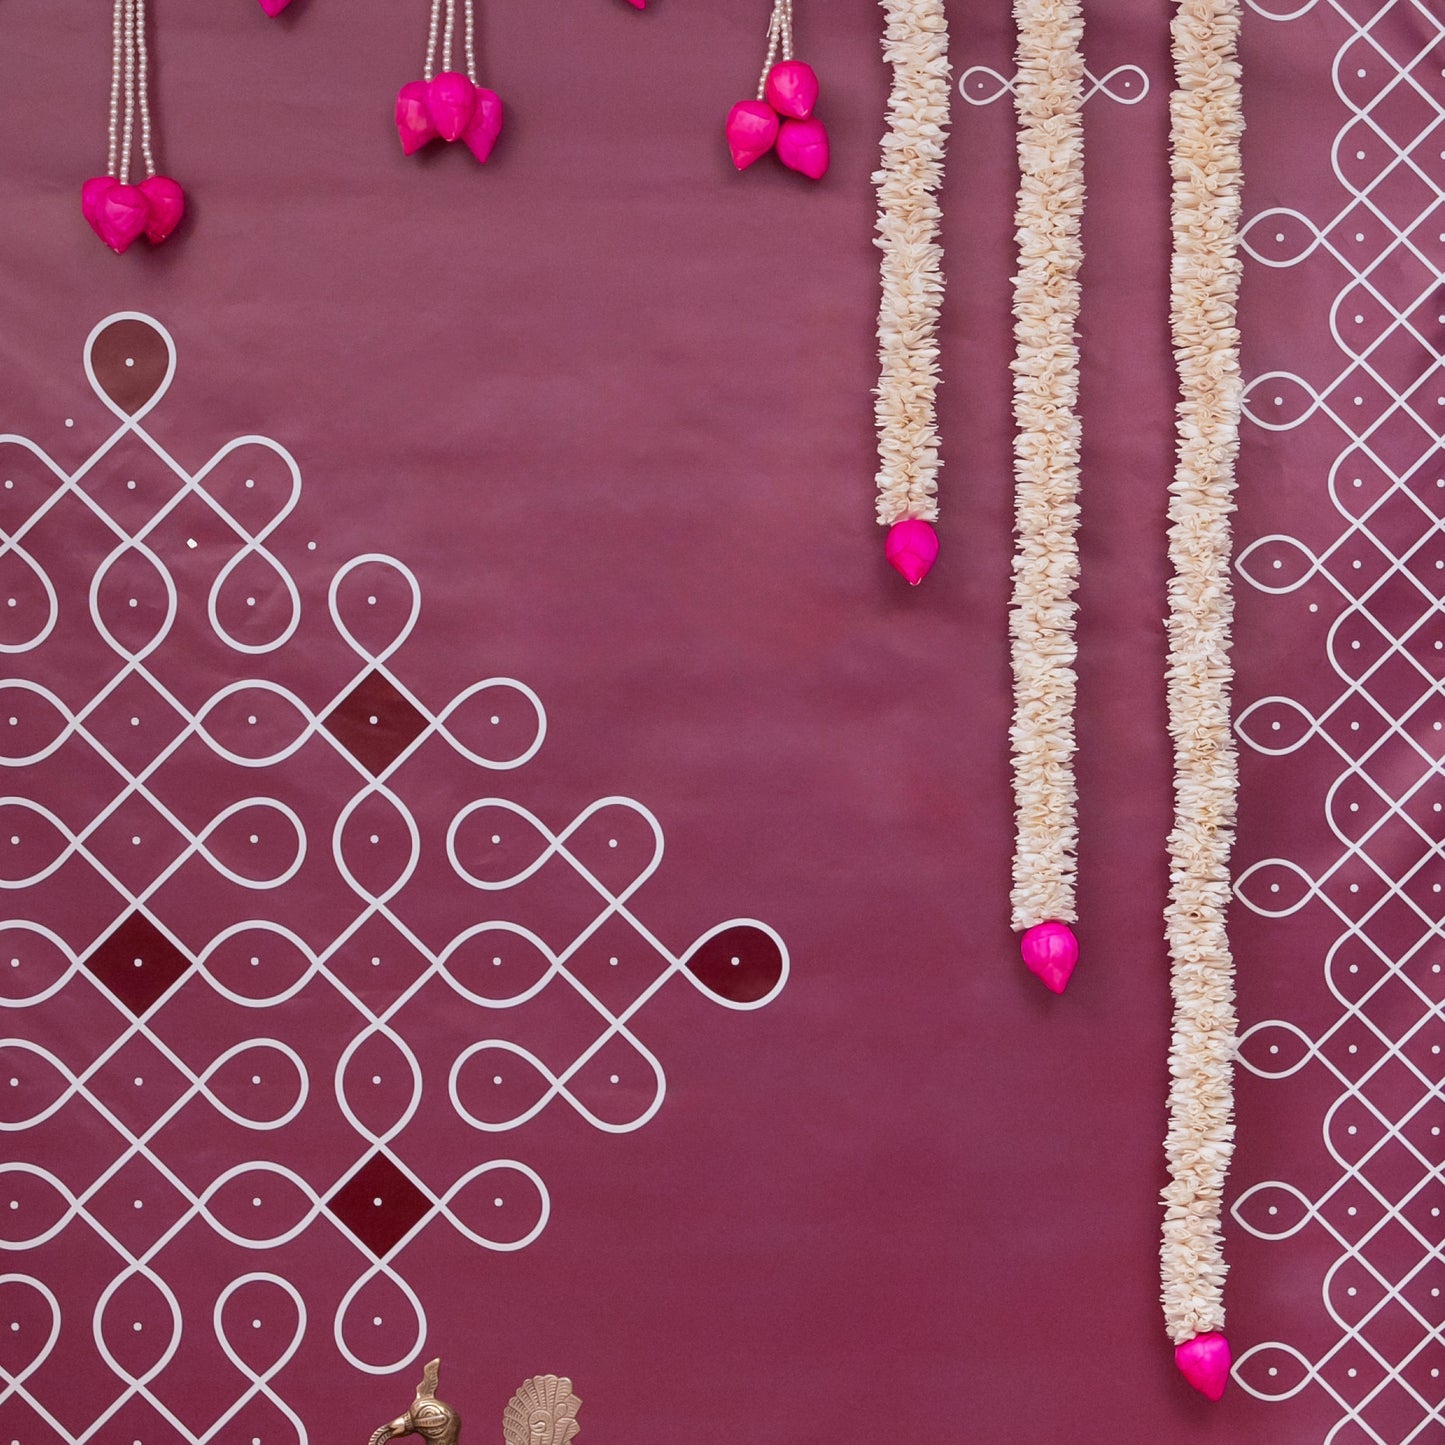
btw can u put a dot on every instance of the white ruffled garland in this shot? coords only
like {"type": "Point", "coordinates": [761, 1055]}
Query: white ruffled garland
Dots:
{"type": "Point", "coordinates": [915, 44]}
{"type": "Point", "coordinates": [1049, 96]}
{"type": "Point", "coordinates": [1206, 126]}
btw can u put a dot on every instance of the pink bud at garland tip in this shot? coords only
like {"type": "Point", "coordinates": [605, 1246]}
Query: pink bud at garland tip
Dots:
{"type": "Point", "coordinates": [274, 7]}
{"type": "Point", "coordinates": [1204, 1362]}
{"type": "Point", "coordinates": [451, 108]}
{"type": "Point", "coordinates": [1050, 952]}
{"type": "Point", "coordinates": [803, 147]}
{"type": "Point", "coordinates": [120, 214]}
{"type": "Point", "coordinates": [912, 548]}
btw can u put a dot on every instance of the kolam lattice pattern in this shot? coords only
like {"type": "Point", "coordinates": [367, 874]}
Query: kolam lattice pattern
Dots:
{"type": "Point", "coordinates": [1368, 719]}
{"type": "Point", "coordinates": [276, 980]}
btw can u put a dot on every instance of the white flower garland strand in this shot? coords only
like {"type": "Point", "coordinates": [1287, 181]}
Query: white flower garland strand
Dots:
{"type": "Point", "coordinates": [915, 43]}
{"type": "Point", "coordinates": [1206, 126]}
{"type": "Point", "coordinates": [1049, 96]}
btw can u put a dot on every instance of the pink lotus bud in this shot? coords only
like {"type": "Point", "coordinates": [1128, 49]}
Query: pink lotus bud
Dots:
{"type": "Point", "coordinates": [752, 128]}
{"type": "Point", "coordinates": [121, 213]}
{"type": "Point", "coordinates": [640, 4]}
{"type": "Point", "coordinates": [167, 202]}
{"type": "Point", "coordinates": [1204, 1362]}
{"type": "Point", "coordinates": [1050, 950]}
{"type": "Point", "coordinates": [91, 195]}
{"type": "Point", "coordinates": [803, 146]}
{"type": "Point", "coordinates": [792, 89]}
{"type": "Point", "coordinates": [413, 119]}
{"type": "Point", "coordinates": [912, 547]}
{"type": "Point", "coordinates": [450, 99]}
{"type": "Point", "coordinates": [485, 125]}
{"type": "Point", "coordinates": [274, 7]}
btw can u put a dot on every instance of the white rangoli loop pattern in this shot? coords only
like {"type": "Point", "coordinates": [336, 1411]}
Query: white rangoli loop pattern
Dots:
{"type": "Point", "coordinates": [136, 590]}
{"type": "Point", "coordinates": [1374, 546]}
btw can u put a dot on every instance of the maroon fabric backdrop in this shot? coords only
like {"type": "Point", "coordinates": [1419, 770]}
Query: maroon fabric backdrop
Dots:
{"type": "Point", "coordinates": [609, 402]}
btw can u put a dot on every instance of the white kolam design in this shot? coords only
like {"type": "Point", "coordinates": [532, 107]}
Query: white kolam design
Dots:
{"type": "Point", "coordinates": [284, 977]}
{"type": "Point", "coordinates": [1373, 551]}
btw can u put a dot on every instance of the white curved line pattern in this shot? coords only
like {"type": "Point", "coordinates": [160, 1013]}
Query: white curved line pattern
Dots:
{"type": "Point", "coordinates": [1373, 719]}
{"type": "Point", "coordinates": [254, 837]}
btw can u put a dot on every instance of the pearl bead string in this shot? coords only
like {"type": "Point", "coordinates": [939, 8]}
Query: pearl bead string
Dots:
{"type": "Point", "coordinates": [130, 82]}
{"type": "Point", "coordinates": [437, 34]}
{"type": "Point", "coordinates": [780, 35]}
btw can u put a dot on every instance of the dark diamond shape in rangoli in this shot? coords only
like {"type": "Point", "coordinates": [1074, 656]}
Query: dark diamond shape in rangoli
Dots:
{"type": "Point", "coordinates": [375, 723]}
{"type": "Point", "coordinates": [137, 963]}
{"type": "Point", "coordinates": [380, 1205]}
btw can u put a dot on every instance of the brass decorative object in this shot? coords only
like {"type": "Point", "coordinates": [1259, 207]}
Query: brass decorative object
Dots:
{"type": "Point", "coordinates": [428, 1417]}
{"type": "Point", "coordinates": [542, 1412]}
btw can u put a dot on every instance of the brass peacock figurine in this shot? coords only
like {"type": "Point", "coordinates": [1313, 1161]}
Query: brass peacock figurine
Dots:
{"type": "Point", "coordinates": [542, 1412]}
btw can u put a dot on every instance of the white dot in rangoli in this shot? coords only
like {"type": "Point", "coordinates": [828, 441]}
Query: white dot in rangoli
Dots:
{"type": "Point", "coordinates": [495, 721]}
{"type": "Point", "coordinates": [615, 1079]}
{"type": "Point", "coordinates": [1279, 235]}
{"type": "Point", "coordinates": [375, 962]}
{"type": "Point", "coordinates": [191, 543]}
{"type": "Point", "coordinates": [254, 962]}
{"type": "Point", "coordinates": [377, 1202]}
{"type": "Point", "coordinates": [497, 962]}
{"type": "Point", "coordinates": [250, 602]}
{"type": "Point", "coordinates": [1274, 1048]}
{"type": "Point", "coordinates": [497, 1203]}
{"type": "Point", "coordinates": [135, 841]}
{"type": "Point", "coordinates": [1274, 1209]}
{"type": "Point", "coordinates": [1352, 1373]}
{"type": "Point", "coordinates": [130, 486]}
{"type": "Point", "coordinates": [131, 602]}
{"type": "Point", "coordinates": [130, 361]}
{"type": "Point", "coordinates": [1359, 401]}
{"type": "Point", "coordinates": [255, 1204]}
{"type": "Point", "coordinates": [1359, 155]}
{"type": "Point", "coordinates": [1354, 1048]}
{"type": "Point", "coordinates": [735, 961]}
{"type": "Point", "coordinates": [1354, 887]}
{"type": "Point", "coordinates": [1360, 73]}
{"type": "Point", "coordinates": [255, 1324]}
{"type": "Point", "coordinates": [1357, 564]}
{"type": "Point", "coordinates": [137, 962]}
{"type": "Point", "coordinates": [376, 1319]}
{"type": "Point", "coordinates": [1359, 235]}
{"type": "Point", "coordinates": [612, 842]}
{"type": "Point", "coordinates": [613, 962]}
{"type": "Point", "coordinates": [1352, 1210]}
{"type": "Point", "coordinates": [311, 546]}
{"type": "Point", "coordinates": [250, 481]}
{"type": "Point", "coordinates": [1274, 1369]}
{"type": "Point", "coordinates": [255, 1078]}
{"type": "Point", "coordinates": [375, 838]}
{"type": "Point", "coordinates": [1279, 401]}
{"type": "Point", "coordinates": [138, 1204]}
{"type": "Point", "coordinates": [496, 1078]}
{"type": "Point", "coordinates": [139, 1081]}
{"type": "Point", "coordinates": [496, 837]}
{"type": "Point", "coordinates": [255, 838]}
{"type": "Point", "coordinates": [1352, 1130]}
{"type": "Point", "coordinates": [1359, 320]}
{"type": "Point", "coordinates": [70, 421]}
{"type": "Point", "coordinates": [1357, 481]}
{"type": "Point", "coordinates": [1273, 888]}
{"type": "Point", "coordinates": [252, 721]}
{"type": "Point", "coordinates": [135, 722]}
{"type": "Point", "coordinates": [1355, 646]}
{"type": "Point", "coordinates": [376, 1078]}
{"type": "Point", "coordinates": [372, 720]}
{"type": "Point", "coordinates": [136, 1327]}
{"type": "Point", "coordinates": [1314, 606]}
{"type": "Point", "coordinates": [371, 601]}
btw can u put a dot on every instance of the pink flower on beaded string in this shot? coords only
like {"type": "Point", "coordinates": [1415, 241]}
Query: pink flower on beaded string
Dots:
{"type": "Point", "coordinates": [781, 118]}
{"type": "Point", "coordinates": [117, 211]}
{"type": "Point", "coordinates": [447, 104]}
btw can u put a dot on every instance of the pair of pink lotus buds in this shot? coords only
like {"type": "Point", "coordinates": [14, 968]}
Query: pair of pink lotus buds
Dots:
{"type": "Point", "coordinates": [448, 107]}
{"type": "Point", "coordinates": [120, 214]}
{"type": "Point", "coordinates": [784, 119]}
